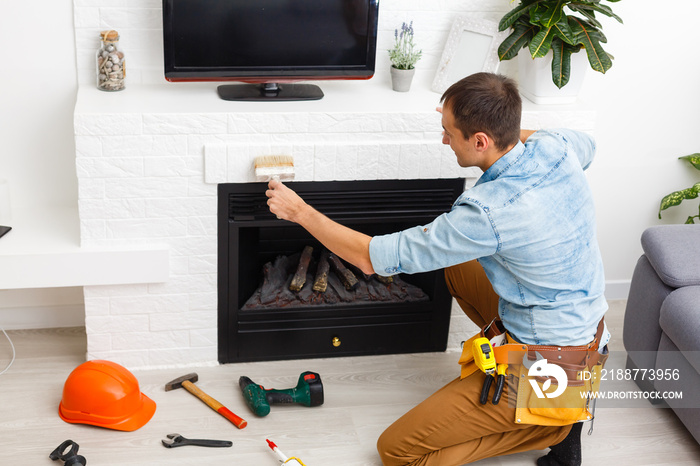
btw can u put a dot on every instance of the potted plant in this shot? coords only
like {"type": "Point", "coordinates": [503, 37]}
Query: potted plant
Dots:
{"type": "Point", "coordinates": [677, 197]}
{"type": "Point", "coordinates": [563, 27]}
{"type": "Point", "coordinates": [403, 58]}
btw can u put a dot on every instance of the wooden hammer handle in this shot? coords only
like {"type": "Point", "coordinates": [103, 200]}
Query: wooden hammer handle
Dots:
{"type": "Point", "coordinates": [213, 404]}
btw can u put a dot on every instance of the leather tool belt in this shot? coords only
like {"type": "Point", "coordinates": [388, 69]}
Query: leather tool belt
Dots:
{"type": "Point", "coordinates": [539, 398]}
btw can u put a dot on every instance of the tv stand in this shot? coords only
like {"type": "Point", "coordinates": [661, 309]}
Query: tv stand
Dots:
{"type": "Point", "coordinates": [270, 92]}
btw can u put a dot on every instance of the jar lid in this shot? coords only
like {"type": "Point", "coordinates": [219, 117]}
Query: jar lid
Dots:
{"type": "Point", "coordinates": [111, 35]}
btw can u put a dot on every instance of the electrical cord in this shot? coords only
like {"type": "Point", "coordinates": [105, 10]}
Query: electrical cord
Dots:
{"type": "Point", "coordinates": [13, 351]}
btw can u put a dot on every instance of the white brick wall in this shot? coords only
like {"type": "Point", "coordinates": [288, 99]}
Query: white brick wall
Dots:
{"type": "Point", "coordinates": [327, 161]}
{"type": "Point", "coordinates": [139, 23]}
{"type": "Point", "coordinates": [154, 180]}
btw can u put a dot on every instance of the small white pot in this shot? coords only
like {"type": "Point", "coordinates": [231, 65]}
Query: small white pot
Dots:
{"type": "Point", "coordinates": [535, 78]}
{"type": "Point", "coordinates": [401, 79]}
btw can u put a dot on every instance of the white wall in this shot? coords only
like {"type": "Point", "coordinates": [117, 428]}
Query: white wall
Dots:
{"type": "Point", "coordinates": [38, 85]}
{"type": "Point", "coordinates": [648, 116]}
{"type": "Point", "coordinates": [647, 113]}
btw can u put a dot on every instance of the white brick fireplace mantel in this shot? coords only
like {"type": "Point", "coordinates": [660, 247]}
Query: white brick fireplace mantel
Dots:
{"type": "Point", "coordinates": [149, 160]}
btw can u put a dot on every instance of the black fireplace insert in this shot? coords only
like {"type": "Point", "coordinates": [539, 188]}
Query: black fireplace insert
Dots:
{"type": "Point", "coordinates": [251, 239]}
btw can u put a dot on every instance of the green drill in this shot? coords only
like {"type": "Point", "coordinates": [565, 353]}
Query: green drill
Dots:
{"type": "Point", "coordinates": [308, 392]}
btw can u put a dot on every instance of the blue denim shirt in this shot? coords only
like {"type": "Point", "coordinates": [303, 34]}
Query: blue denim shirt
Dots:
{"type": "Point", "coordinates": [530, 222]}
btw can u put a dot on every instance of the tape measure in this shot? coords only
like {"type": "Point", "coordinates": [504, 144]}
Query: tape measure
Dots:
{"type": "Point", "coordinates": [484, 357]}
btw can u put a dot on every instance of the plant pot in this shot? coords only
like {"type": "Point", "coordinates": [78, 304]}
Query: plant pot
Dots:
{"type": "Point", "coordinates": [535, 79]}
{"type": "Point", "coordinates": [401, 79]}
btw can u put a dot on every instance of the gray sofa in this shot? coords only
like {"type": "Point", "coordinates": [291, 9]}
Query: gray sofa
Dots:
{"type": "Point", "coordinates": [662, 318]}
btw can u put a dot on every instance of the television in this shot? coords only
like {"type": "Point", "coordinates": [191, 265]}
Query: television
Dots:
{"type": "Point", "coordinates": [269, 44]}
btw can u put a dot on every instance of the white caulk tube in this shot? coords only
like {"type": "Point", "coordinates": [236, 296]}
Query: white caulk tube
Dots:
{"type": "Point", "coordinates": [281, 456]}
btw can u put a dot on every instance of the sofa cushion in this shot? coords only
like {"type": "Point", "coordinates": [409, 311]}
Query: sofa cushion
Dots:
{"type": "Point", "coordinates": [641, 330]}
{"type": "Point", "coordinates": [685, 407]}
{"type": "Point", "coordinates": [674, 252]}
{"type": "Point", "coordinates": [680, 321]}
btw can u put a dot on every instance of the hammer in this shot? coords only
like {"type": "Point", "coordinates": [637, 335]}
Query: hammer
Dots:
{"type": "Point", "coordinates": [188, 381]}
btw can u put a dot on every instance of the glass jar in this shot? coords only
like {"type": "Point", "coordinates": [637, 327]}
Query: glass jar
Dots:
{"type": "Point", "coordinates": [111, 69]}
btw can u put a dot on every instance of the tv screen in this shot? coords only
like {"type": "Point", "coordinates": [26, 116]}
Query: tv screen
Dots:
{"type": "Point", "coordinates": [269, 41]}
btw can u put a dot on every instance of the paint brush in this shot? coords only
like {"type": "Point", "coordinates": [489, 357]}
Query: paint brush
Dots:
{"type": "Point", "coordinates": [279, 167]}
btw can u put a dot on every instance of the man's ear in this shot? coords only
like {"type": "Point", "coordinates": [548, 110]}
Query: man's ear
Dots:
{"type": "Point", "coordinates": [481, 141]}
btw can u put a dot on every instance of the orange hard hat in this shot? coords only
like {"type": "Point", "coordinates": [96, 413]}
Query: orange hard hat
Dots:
{"type": "Point", "coordinates": [105, 394]}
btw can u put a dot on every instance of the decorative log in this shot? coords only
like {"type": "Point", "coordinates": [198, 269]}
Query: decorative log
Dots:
{"type": "Point", "coordinates": [275, 278]}
{"type": "Point", "coordinates": [359, 273]}
{"type": "Point", "coordinates": [321, 280]}
{"type": "Point", "coordinates": [274, 292]}
{"type": "Point", "coordinates": [346, 276]}
{"type": "Point", "coordinates": [368, 277]}
{"type": "Point", "coordinates": [299, 277]}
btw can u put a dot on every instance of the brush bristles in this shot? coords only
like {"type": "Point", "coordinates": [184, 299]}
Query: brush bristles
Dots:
{"type": "Point", "coordinates": [270, 161]}
{"type": "Point", "coordinates": [280, 167]}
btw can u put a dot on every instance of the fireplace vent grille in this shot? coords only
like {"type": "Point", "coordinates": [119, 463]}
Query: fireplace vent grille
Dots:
{"type": "Point", "coordinates": [341, 202]}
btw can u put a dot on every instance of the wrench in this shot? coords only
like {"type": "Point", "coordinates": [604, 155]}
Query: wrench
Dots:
{"type": "Point", "coordinates": [177, 440]}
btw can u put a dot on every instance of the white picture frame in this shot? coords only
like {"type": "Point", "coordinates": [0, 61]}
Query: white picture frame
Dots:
{"type": "Point", "coordinates": [471, 47]}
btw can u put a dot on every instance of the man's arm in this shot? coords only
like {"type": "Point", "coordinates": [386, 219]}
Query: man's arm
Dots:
{"type": "Point", "coordinates": [345, 242]}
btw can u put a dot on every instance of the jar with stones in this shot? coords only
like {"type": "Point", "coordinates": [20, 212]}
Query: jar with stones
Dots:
{"type": "Point", "coordinates": [111, 71]}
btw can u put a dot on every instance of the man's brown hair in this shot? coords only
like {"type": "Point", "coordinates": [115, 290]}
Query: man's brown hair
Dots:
{"type": "Point", "coordinates": [489, 103]}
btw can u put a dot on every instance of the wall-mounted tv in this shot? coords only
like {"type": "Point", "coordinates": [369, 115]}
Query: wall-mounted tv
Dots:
{"type": "Point", "coordinates": [270, 43]}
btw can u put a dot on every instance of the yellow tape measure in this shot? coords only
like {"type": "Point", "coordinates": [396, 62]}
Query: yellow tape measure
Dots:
{"type": "Point", "coordinates": [484, 357]}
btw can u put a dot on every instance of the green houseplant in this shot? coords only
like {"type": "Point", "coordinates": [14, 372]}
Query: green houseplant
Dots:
{"type": "Point", "coordinates": [677, 197]}
{"type": "Point", "coordinates": [562, 26]}
{"type": "Point", "coordinates": [404, 57]}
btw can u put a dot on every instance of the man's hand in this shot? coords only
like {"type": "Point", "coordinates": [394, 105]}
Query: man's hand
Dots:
{"type": "Point", "coordinates": [283, 202]}
{"type": "Point", "coordinates": [346, 243]}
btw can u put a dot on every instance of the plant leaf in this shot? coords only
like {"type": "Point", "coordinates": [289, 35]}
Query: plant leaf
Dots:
{"type": "Point", "coordinates": [561, 63]}
{"type": "Point", "coordinates": [553, 14]}
{"type": "Point", "coordinates": [519, 38]}
{"type": "Point", "coordinates": [693, 159]}
{"type": "Point", "coordinates": [537, 14]}
{"type": "Point", "coordinates": [675, 198]}
{"type": "Point", "coordinates": [589, 14]}
{"type": "Point", "coordinates": [542, 42]}
{"type": "Point", "coordinates": [588, 36]}
{"type": "Point", "coordinates": [513, 15]}
{"type": "Point", "coordinates": [564, 32]}
{"type": "Point", "coordinates": [580, 26]}
{"type": "Point", "coordinates": [604, 9]}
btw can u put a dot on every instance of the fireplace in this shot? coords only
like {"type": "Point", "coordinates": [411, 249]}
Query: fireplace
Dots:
{"type": "Point", "coordinates": [251, 237]}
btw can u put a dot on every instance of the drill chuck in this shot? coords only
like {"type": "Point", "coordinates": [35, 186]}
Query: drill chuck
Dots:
{"type": "Point", "coordinates": [254, 396]}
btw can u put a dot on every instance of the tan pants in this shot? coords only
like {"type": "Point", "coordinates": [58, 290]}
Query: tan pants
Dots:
{"type": "Point", "coordinates": [451, 427]}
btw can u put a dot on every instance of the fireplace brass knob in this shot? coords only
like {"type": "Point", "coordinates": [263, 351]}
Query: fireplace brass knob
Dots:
{"type": "Point", "coordinates": [336, 341]}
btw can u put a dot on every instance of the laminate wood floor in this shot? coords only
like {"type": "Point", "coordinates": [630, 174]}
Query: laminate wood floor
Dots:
{"type": "Point", "coordinates": [363, 395]}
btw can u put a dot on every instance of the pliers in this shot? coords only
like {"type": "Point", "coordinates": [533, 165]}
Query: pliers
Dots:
{"type": "Point", "coordinates": [177, 440]}
{"type": "Point", "coordinates": [500, 375]}
{"type": "Point", "coordinates": [500, 382]}
{"type": "Point", "coordinates": [486, 387]}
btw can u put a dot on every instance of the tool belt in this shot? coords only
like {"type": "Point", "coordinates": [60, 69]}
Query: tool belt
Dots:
{"type": "Point", "coordinates": [539, 399]}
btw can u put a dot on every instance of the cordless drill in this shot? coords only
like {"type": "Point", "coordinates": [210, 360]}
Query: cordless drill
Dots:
{"type": "Point", "coordinates": [308, 392]}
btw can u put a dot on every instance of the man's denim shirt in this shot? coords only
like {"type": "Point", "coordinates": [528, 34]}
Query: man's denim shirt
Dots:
{"type": "Point", "coordinates": [530, 222]}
